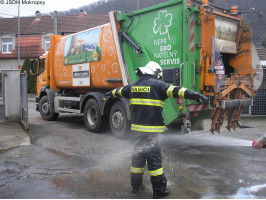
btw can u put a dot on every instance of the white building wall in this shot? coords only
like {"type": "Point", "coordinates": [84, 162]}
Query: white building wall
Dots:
{"type": "Point", "coordinates": [263, 63]}
{"type": "Point", "coordinates": [10, 63]}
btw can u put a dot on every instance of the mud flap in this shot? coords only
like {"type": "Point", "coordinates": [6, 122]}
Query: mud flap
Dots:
{"type": "Point", "coordinates": [186, 127]}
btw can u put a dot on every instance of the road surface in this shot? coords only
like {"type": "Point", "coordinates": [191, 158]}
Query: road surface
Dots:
{"type": "Point", "coordinates": [65, 160]}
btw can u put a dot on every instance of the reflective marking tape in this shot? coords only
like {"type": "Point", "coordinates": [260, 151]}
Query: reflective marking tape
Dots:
{"type": "Point", "coordinates": [170, 91]}
{"type": "Point", "coordinates": [180, 101]}
{"type": "Point", "coordinates": [147, 102]}
{"type": "Point", "coordinates": [137, 170]}
{"type": "Point", "coordinates": [181, 92]}
{"type": "Point", "coordinates": [197, 107]}
{"type": "Point", "coordinates": [120, 92]}
{"type": "Point", "coordinates": [191, 33]}
{"type": "Point", "coordinates": [156, 172]}
{"type": "Point", "coordinates": [142, 128]}
{"type": "Point", "coordinates": [113, 92]}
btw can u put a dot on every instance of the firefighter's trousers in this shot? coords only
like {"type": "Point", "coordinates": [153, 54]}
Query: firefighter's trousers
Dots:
{"type": "Point", "coordinates": [147, 149]}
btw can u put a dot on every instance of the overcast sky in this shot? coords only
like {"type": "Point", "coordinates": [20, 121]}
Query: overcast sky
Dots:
{"type": "Point", "coordinates": [9, 8]}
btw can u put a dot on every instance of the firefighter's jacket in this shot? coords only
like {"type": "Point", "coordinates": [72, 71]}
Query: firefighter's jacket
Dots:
{"type": "Point", "coordinates": [147, 96]}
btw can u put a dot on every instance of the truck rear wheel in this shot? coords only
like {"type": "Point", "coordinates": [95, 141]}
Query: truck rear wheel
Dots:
{"type": "Point", "coordinates": [45, 109]}
{"type": "Point", "coordinates": [119, 123]}
{"type": "Point", "coordinates": [92, 116]}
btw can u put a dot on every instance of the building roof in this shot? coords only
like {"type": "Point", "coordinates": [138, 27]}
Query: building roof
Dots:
{"type": "Point", "coordinates": [28, 25]}
{"type": "Point", "coordinates": [45, 24]}
{"type": "Point", "coordinates": [31, 29]}
{"type": "Point", "coordinates": [72, 24]}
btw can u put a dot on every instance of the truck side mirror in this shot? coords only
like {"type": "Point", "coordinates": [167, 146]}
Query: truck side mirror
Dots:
{"type": "Point", "coordinates": [32, 66]}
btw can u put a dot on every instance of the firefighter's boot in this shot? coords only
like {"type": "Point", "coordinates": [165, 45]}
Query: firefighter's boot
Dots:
{"type": "Point", "coordinates": [138, 190]}
{"type": "Point", "coordinates": [136, 183]}
{"type": "Point", "coordinates": [160, 194]}
{"type": "Point", "coordinates": [159, 184]}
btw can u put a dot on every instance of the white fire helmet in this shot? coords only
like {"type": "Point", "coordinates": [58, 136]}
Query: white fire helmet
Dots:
{"type": "Point", "coordinates": [151, 68]}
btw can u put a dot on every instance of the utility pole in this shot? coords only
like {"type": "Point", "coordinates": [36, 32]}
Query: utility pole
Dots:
{"type": "Point", "coordinates": [18, 34]}
{"type": "Point", "coordinates": [137, 4]}
{"type": "Point", "coordinates": [55, 22]}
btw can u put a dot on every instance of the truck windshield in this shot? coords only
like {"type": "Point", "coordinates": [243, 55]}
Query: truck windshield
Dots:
{"type": "Point", "coordinates": [41, 66]}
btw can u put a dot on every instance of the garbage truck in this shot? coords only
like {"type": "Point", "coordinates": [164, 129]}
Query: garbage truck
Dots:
{"type": "Point", "coordinates": [199, 47]}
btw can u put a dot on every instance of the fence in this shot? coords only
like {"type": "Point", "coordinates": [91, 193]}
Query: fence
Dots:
{"type": "Point", "coordinates": [259, 103]}
{"type": "Point", "coordinates": [24, 101]}
{"type": "Point", "coordinates": [2, 105]}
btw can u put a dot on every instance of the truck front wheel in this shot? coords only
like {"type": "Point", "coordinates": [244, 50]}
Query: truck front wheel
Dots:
{"type": "Point", "coordinates": [92, 116]}
{"type": "Point", "coordinates": [45, 109]}
{"type": "Point", "coordinates": [119, 123]}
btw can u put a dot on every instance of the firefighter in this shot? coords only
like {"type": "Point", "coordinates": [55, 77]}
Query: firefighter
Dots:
{"type": "Point", "coordinates": [147, 96]}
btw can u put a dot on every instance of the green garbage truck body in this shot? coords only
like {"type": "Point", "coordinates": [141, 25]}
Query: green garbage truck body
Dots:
{"type": "Point", "coordinates": [163, 35]}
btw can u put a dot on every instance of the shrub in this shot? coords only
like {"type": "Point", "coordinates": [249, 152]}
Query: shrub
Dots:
{"type": "Point", "coordinates": [31, 78]}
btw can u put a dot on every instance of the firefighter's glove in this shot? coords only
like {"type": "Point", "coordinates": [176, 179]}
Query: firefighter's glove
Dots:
{"type": "Point", "coordinates": [190, 94]}
{"type": "Point", "coordinates": [109, 93]}
{"type": "Point", "coordinates": [200, 97]}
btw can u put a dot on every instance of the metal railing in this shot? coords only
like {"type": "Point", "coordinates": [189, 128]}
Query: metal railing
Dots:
{"type": "Point", "coordinates": [24, 101]}
{"type": "Point", "coordinates": [2, 104]}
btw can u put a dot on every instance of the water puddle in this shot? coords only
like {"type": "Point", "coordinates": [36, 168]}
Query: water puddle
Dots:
{"type": "Point", "coordinates": [249, 193]}
{"type": "Point", "coordinates": [252, 192]}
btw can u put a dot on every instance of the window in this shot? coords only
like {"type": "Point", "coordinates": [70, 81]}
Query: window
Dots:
{"type": "Point", "coordinates": [7, 45]}
{"type": "Point", "coordinates": [47, 43]}
{"type": "Point", "coordinates": [41, 66]}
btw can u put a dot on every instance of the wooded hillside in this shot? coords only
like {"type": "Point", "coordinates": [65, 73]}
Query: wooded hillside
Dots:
{"type": "Point", "coordinates": [258, 23]}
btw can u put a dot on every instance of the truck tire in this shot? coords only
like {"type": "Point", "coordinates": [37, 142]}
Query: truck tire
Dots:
{"type": "Point", "coordinates": [174, 126]}
{"type": "Point", "coordinates": [44, 107]}
{"type": "Point", "coordinates": [118, 120]}
{"type": "Point", "coordinates": [92, 116]}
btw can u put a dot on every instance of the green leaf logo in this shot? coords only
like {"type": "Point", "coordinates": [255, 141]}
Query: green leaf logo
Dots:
{"type": "Point", "coordinates": [162, 23]}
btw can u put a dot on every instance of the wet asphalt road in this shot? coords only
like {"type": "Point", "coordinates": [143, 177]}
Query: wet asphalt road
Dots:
{"type": "Point", "coordinates": [67, 161]}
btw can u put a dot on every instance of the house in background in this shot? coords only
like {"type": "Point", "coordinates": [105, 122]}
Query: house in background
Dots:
{"type": "Point", "coordinates": [35, 34]}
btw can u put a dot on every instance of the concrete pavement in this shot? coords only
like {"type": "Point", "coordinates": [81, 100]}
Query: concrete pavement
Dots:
{"type": "Point", "coordinates": [12, 135]}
